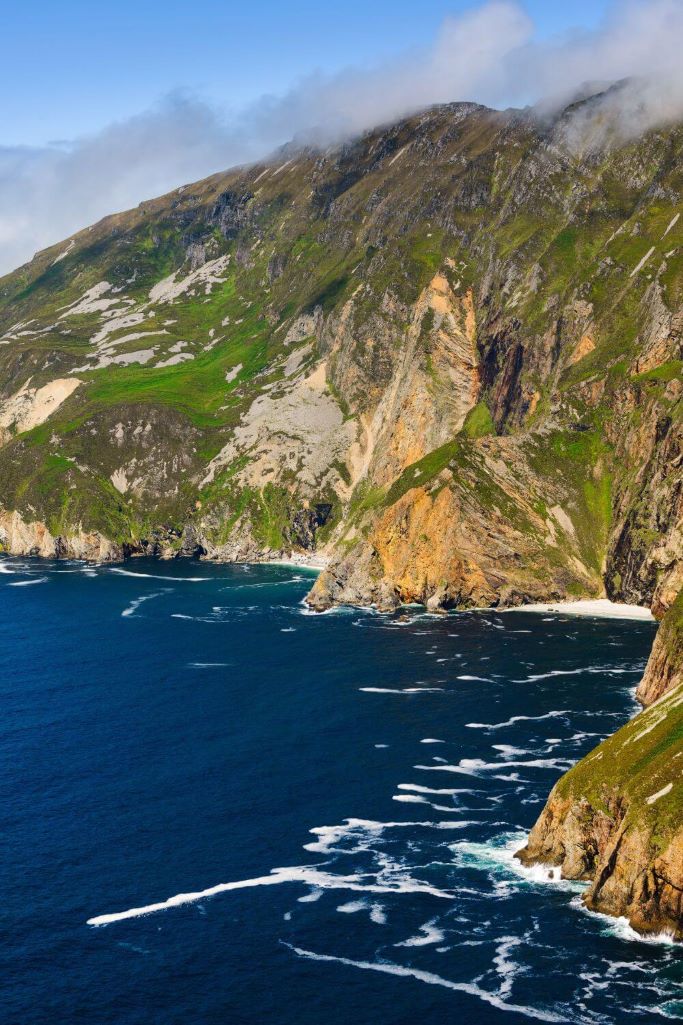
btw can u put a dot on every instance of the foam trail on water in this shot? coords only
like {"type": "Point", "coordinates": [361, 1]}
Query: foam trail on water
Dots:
{"type": "Point", "coordinates": [475, 766]}
{"type": "Point", "coordinates": [156, 576]}
{"type": "Point", "coordinates": [623, 930]}
{"type": "Point", "coordinates": [309, 875]}
{"type": "Point", "coordinates": [137, 602]}
{"type": "Point", "coordinates": [576, 672]}
{"type": "Point", "coordinates": [430, 979]}
{"type": "Point", "coordinates": [405, 690]}
{"type": "Point", "coordinates": [515, 719]}
{"type": "Point", "coordinates": [27, 583]}
{"type": "Point", "coordinates": [450, 791]}
{"type": "Point", "coordinates": [427, 934]}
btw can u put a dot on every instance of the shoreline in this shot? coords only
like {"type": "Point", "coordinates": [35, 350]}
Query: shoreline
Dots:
{"type": "Point", "coordinates": [599, 608]}
{"type": "Point", "coordinates": [317, 563]}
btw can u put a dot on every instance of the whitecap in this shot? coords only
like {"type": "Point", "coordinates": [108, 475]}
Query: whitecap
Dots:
{"type": "Point", "coordinates": [27, 583]}
{"type": "Point", "coordinates": [378, 914]}
{"type": "Point", "coordinates": [515, 719]}
{"type": "Point", "coordinates": [434, 790]}
{"type": "Point", "coordinates": [427, 935]}
{"type": "Point", "coordinates": [506, 968]}
{"type": "Point", "coordinates": [432, 740]}
{"type": "Point", "coordinates": [609, 670]}
{"type": "Point", "coordinates": [475, 766]}
{"type": "Point", "coordinates": [497, 858]}
{"type": "Point", "coordinates": [352, 907]}
{"type": "Point", "coordinates": [137, 602]}
{"type": "Point", "coordinates": [405, 690]}
{"type": "Point", "coordinates": [157, 576]}
{"type": "Point", "coordinates": [418, 799]}
{"type": "Point", "coordinates": [622, 929]}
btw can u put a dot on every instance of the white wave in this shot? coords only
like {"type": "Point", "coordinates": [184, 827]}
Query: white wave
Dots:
{"type": "Point", "coordinates": [137, 602]}
{"type": "Point", "coordinates": [427, 934]}
{"type": "Point", "coordinates": [475, 766]}
{"type": "Point", "coordinates": [478, 679]}
{"type": "Point", "coordinates": [508, 749]}
{"type": "Point", "coordinates": [671, 1009]}
{"type": "Point", "coordinates": [264, 583]}
{"type": "Point", "coordinates": [206, 665]}
{"type": "Point", "coordinates": [378, 915]}
{"type": "Point", "coordinates": [27, 583]}
{"type": "Point", "coordinates": [515, 719]}
{"type": "Point", "coordinates": [506, 968]}
{"type": "Point", "coordinates": [622, 929]}
{"type": "Point", "coordinates": [312, 896]}
{"type": "Point", "coordinates": [497, 858]}
{"type": "Point", "coordinates": [430, 979]}
{"type": "Point", "coordinates": [364, 831]}
{"type": "Point", "coordinates": [609, 670]}
{"type": "Point", "coordinates": [308, 874]}
{"type": "Point", "coordinates": [334, 610]}
{"type": "Point", "coordinates": [435, 790]}
{"type": "Point", "coordinates": [381, 746]}
{"type": "Point", "coordinates": [352, 907]}
{"type": "Point", "coordinates": [405, 690]}
{"type": "Point", "coordinates": [432, 740]}
{"type": "Point", "coordinates": [417, 799]}
{"type": "Point", "coordinates": [5, 568]}
{"type": "Point", "coordinates": [156, 576]}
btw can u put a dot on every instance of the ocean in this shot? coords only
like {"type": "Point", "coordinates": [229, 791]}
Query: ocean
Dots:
{"type": "Point", "coordinates": [220, 808]}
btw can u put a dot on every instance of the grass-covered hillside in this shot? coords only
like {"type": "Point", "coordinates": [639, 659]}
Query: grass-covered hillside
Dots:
{"type": "Point", "coordinates": [616, 818]}
{"type": "Point", "coordinates": [447, 352]}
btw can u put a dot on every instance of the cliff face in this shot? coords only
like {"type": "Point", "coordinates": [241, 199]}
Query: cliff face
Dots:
{"type": "Point", "coordinates": [664, 670]}
{"type": "Point", "coordinates": [447, 354]}
{"type": "Point", "coordinates": [616, 818]}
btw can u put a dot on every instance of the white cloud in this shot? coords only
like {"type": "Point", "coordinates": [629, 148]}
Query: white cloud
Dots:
{"type": "Point", "coordinates": [489, 54]}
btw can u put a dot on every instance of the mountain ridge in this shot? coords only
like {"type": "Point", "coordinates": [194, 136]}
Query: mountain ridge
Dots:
{"type": "Point", "coordinates": [446, 355]}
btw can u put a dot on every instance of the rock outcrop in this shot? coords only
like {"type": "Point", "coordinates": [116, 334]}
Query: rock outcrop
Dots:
{"type": "Point", "coordinates": [447, 355]}
{"type": "Point", "coordinates": [17, 537]}
{"type": "Point", "coordinates": [616, 818]}
{"type": "Point", "coordinates": [664, 670]}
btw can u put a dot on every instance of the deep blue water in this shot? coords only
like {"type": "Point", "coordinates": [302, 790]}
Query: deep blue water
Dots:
{"type": "Point", "coordinates": [170, 727]}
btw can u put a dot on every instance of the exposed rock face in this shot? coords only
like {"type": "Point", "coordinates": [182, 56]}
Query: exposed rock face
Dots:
{"type": "Point", "coordinates": [446, 354]}
{"type": "Point", "coordinates": [443, 330]}
{"type": "Point", "coordinates": [18, 537]}
{"type": "Point", "coordinates": [664, 670]}
{"type": "Point", "coordinates": [616, 819]}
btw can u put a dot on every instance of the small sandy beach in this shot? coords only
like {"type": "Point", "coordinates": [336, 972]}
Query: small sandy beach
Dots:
{"type": "Point", "coordinates": [600, 607]}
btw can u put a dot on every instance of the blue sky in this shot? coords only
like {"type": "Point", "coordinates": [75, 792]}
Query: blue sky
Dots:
{"type": "Point", "coordinates": [71, 66]}
{"type": "Point", "coordinates": [109, 103]}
